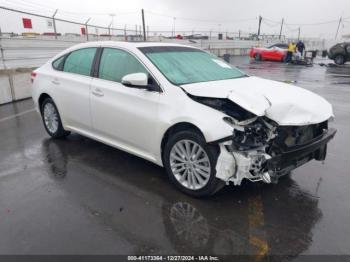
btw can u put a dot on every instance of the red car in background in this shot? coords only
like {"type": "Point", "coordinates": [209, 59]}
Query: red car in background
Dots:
{"type": "Point", "coordinates": [276, 52]}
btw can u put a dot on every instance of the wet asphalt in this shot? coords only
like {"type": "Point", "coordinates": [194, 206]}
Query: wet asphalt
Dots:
{"type": "Point", "coordinates": [78, 196]}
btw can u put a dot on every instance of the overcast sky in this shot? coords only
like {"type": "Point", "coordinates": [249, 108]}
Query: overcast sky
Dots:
{"type": "Point", "coordinates": [218, 15]}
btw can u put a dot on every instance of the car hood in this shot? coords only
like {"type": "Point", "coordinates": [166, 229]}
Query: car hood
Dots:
{"type": "Point", "coordinates": [269, 49]}
{"type": "Point", "coordinates": [284, 103]}
{"type": "Point", "coordinates": [260, 48]}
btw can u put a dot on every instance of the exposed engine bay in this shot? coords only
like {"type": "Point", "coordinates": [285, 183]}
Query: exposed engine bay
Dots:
{"type": "Point", "coordinates": [260, 149]}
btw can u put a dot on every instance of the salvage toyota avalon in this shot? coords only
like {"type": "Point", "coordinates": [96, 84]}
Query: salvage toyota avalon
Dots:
{"type": "Point", "coordinates": [205, 121]}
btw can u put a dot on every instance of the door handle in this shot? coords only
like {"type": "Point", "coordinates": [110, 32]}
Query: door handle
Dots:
{"type": "Point", "coordinates": [97, 92]}
{"type": "Point", "coordinates": [55, 82]}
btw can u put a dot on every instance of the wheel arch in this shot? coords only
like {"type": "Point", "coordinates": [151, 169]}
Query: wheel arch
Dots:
{"type": "Point", "coordinates": [41, 99]}
{"type": "Point", "coordinates": [181, 126]}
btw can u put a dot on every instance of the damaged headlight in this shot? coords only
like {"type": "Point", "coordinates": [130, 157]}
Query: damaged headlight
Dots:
{"type": "Point", "coordinates": [249, 130]}
{"type": "Point", "coordinates": [251, 133]}
{"type": "Point", "coordinates": [226, 106]}
{"type": "Point", "coordinates": [252, 136]}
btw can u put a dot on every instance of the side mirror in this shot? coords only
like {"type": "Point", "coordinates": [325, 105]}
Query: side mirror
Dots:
{"type": "Point", "coordinates": [138, 80]}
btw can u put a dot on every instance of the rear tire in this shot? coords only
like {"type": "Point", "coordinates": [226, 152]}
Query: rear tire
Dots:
{"type": "Point", "coordinates": [339, 60]}
{"type": "Point", "coordinates": [257, 57]}
{"type": "Point", "coordinates": [52, 120]}
{"type": "Point", "coordinates": [190, 164]}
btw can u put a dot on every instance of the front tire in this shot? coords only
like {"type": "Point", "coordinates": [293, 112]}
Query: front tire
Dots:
{"type": "Point", "coordinates": [190, 164]}
{"type": "Point", "coordinates": [339, 60]}
{"type": "Point", "coordinates": [52, 120]}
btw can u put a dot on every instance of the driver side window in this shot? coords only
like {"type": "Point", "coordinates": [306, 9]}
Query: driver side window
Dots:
{"type": "Point", "coordinates": [115, 64]}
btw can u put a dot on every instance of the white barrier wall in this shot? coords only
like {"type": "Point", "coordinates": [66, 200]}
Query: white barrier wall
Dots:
{"type": "Point", "coordinates": [22, 85]}
{"type": "Point", "coordinates": [5, 90]}
{"type": "Point", "coordinates": [14, 86]}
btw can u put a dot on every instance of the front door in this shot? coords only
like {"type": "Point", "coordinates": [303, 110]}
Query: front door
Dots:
{"type": "Point", "coordinates": [122, 115]}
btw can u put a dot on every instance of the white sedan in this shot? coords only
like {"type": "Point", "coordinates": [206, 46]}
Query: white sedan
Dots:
{"type": "Point", "coordinates": [205, 121]}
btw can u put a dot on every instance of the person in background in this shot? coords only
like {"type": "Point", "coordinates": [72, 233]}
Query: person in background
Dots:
{"type": "Point", "coordinates": [290, 51]}
{"type": "Point", "coordinates": [300, 47]}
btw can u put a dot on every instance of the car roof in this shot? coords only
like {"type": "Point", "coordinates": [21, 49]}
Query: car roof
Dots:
{"type": "Point", "coordinates": [126, 45]}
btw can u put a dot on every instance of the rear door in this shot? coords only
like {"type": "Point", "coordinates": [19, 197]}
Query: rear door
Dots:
{"type": "Point", "coordinates": [71, 88]}
{"type": "Point", "coordinates": [125, 116]}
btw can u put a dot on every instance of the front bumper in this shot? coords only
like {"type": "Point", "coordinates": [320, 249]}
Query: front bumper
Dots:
{"type": "Point", "coordinates": [293, 157]}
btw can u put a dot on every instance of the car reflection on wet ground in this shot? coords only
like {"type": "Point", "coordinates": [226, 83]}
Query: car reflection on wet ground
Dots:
{"type": "Point", "coordinates": [78, 196]}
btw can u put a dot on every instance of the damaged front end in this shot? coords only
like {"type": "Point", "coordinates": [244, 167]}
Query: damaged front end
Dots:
{"type": "Point", "coordinates": [260, 149]}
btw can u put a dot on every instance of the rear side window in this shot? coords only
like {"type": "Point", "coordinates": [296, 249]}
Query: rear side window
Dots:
{"type": "Point", "coordinates": [80, 61]}
{"type": "Point", "coordinates": [115, 64]}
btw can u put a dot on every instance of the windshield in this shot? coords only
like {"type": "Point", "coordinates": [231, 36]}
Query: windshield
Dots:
{"type": "Point", "coordinates": [185, 65]}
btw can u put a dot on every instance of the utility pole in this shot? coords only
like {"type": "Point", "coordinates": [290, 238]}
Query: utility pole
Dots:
{"type": "Point", "coordinates": [336, 34]}
{"type": "Point", "coordinates": [239, 34]}
{"type": "Point", "coordinates": [299, 33]}
{"type": "Point", "coordinates": [260, 19]}
{"type": "Point", "coordinates": [86, 29]}
{"type": "Point", "coordinates": [54, 23]}
{"type": "Point", "coordinates": [143, 25]}
{"type": "Point", "coordinates": [281, 29]}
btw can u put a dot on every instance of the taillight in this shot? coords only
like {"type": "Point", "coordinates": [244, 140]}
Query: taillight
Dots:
{"type": "Point", "coordinates": [32, 76]}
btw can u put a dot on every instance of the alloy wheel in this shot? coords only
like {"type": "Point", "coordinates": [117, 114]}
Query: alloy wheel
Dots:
{"type": "Point", "coordinates": [50, 117]}
{"type": "Point", "coordinates": [190, 164]}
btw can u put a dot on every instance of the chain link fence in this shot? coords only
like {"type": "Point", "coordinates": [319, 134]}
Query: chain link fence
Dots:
{"type": "Point", "coordinates": [20, 53]}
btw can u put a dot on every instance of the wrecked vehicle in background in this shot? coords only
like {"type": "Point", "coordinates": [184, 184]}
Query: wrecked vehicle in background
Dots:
{"type": "Point", "coordinates": [340, 53]}
{"type": "Point", "coordinates": [276, 52]}
{"type": "Point", "coordinates": [206, 122]}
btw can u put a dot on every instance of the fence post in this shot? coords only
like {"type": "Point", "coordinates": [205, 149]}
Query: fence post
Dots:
{"type": "Point", "coordinates": [86, 29]}
{"type": "Point", "coordinates": [9, 73]}
{"type": "Point", "coordinates": [54, 23]}
{"type": "Point", "coordinates": [109, 31]}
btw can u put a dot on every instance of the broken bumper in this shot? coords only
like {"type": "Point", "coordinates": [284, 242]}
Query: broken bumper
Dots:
{"type": "Point", "coordinates": [293, 157]}
{"type": "Point", "coordinates": [234, 166]}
